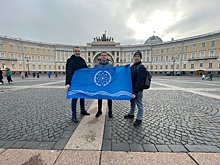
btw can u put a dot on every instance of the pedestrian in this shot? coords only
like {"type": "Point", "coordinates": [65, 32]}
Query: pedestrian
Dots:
{"type": "Point", "coordinates": [203, 77]}
{"type": "Point", "coordinates": [49, 74]}
{"type": "Point", "coordinates": [38, 75]}
{"type": "Point", "coordinates": [138, 75]}
{"type": "Point", "coordinates": [8, 74]}
{"type": "Point", "coordinates": [55, 74]}
{"type": "Point", "coordinates": [22, 75]}
{"type": "Point", "coordinates": [104, 63]}
{"type": "Point", "coordinates": [26, 75]}
{"type": "Point", "coordinates": [210, 76]}
{"type": "Point", "coordinates": [34, 74]}
{"type": "Point", "coordinates": [1, 77]}
{"type": "Point", "coordinates": [74, 63]}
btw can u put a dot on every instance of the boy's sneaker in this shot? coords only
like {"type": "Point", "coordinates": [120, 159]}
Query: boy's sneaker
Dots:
{"type": "Point", "coordinates": [128, 116]}
{"type": "Point", "coordinates": [137, 122]}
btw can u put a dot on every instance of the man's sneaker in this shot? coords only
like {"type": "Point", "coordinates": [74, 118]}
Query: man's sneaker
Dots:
{"type": "Point", "coordinates": [74, 119]}
{"type": "Point", "coordinates": [98, 113]}
{"type": "Point", "coordinates": [85, 113]}
{"type": "Point", "coordinates": [137, 122]}
{"type": "Point", "coordinates": [128, 116]}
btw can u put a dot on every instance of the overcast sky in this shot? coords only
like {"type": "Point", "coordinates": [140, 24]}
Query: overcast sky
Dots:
{"type": "Point", "coordinates": [77, 22]}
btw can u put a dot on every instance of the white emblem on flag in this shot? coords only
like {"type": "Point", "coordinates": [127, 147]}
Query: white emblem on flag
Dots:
{"type": "Point", "coordinates": [102, 78]}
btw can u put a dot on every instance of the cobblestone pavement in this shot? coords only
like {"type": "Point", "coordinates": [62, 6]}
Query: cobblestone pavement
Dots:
{"type": "Point", "coordinates": [182, 114]}
{"type": "Point", "coordinates": [35, 114]}
{"type": "Point", "coordinates": [175, 120]}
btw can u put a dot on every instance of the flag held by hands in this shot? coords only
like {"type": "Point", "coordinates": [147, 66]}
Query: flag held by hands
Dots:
{"type": "Point", "coordinates": [101, 83]}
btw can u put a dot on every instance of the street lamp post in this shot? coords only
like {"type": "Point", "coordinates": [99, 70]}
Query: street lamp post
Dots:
{"type": "Point", "coordinates": [174, 58]}
{"type": "Point", "coordinates": [27, 60]}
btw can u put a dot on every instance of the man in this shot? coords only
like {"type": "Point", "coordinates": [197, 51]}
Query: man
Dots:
{"type": "Point", "coordinates": [104, 63]}
{"type": "Point", "coordinates": [74, 63]}
{"type": "Point", "coordinates": [1, 77]}
{"type": "Point", "coordinates": [138, 75]}
{"type": "Point", "coordinates": [8, 74]}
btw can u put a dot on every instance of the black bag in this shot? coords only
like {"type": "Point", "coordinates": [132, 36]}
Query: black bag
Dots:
{"type": "Point", "coordinates": [147, 82]}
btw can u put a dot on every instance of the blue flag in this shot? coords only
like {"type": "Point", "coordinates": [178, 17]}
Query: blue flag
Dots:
{"type": "Point", "coordinates": [101, 83]}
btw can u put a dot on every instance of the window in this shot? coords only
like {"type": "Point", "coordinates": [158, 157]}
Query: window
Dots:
{"type": "Point", "coordinates": [192, 66]}
{"type": "Point", "coordinates": [212, 43]}
{"type": "Point", "coordinates": [43, 50]}
{"type": "Point", "coordinates": [1, 45]}
{"type": "Point", "coordinates": [167, 49]}
{"type": "Point", "coordinates": [203, 45]}
{"type": "Point", "coordinates": [25, 49]}
{"type": "Point", "coordinates": [210, 65]}
{"type": "Point", "coordinates": [193, 55]}
{"type": "Point", "coordinates": [19, 57]}
{"type": "Point", "coordinates": [151, 67]}
{"type": "Point", "coordinates": [20, 66]}
{"type": "Point", "coordinates": [38, 58]}
{"type": "Point", "coordinates": [48, 51]}
{"type": "Point", "coordinates": [152, 59]}
{"type": "Point", "coordinates": [179, 48]}
{"type": "Point", "coordinates": [11, 47]}
{"type": "Point", "coordinates": [2, 54]}
{"type": "Point", "coordinates": [161, 66]}
{"type": "Point", "coordinates": [167, 58]}
{"type": "Point", "coordinates": [201, 65]}
{"type": "Point", "coordinates": [171, 66]}
{"type": "Point", "coordinates": [152, 51]}
{"type": "Point", "coordinates": [184, 66]}
{"type": "Point", "coordinates": [45, 67]}
{"type": "Point", "coordinates": [219, 65]}
{"type": "Point", "coordinates": [38, 50]}
{"type": "Point", "coordinates": [48, 59]}
{"type": "Point", "coordinates": [161, 50]}
{"type": "Point", "coordinates": [202, 54]}
{"type": "Point", "coordinates": [156, 67]}
{"type": "Point", "coordinates": [63, 67]}
{"type": "Point", "coordinates": [156, 51]}
{"type": "Point", "coordinates": [161, 58]}
{"type": "Point", "coordinates": [49, 67]}
{"type": "Point", "coordinates": [166, 66]}
{"type": "Point", "coordinates": [32, 49]}
{"type": "Point", "coordinates": [44, 58]}
{"type": "Point", "coordinates": [18, 48]}
{"type": "Point", "coordinates": [177, 66]}
{"type": "Point", "coordinates": [32, 58]}
{"type": "Point", "coordinates": [178, 57]}
{"type": "Point", "coordinates": [39, 66]}
{"type": "Point", "coordinates": [59, 67]}
{"type": "Point", "coordinates": [33, 66]}
{"type": "Point", "coordinates": [12, 55]}
{"type": "Point", "coordinates": [173, 49]}
{"type": "Point", "coordinates": [186, 47]}
{"type": "Point", "coordinates": [211, 53]}
{"type": "Point", "coordinates": [157, 58]}
{"type": "Point", "coordinates": [194, 46]}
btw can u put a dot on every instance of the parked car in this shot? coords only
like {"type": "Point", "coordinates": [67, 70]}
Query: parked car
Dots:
{"type": "Point", "coordinates": [178, 74]}
{"type": "Point", "coordinates": [169, 73]}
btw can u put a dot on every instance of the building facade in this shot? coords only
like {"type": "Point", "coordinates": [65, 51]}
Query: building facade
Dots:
{"type": "Point", "coordinates": [192, 56]}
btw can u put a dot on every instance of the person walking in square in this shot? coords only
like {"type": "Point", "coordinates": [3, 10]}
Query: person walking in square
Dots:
{"type": "Point", "coordinates": [1, 77]}
{"type": "Point", "coordinates": [138, 75]}
{"type": "Point", "coordinates": [74, 63]}
{"type": "Point", "coordinates": [104, 63]}
{"type": "Point", "coordinates": [8, 74]}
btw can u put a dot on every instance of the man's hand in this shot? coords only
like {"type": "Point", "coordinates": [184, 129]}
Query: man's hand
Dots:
{"type": "Point", "coordinates": [67, 87]}
{"type": "Point", "coordinates": [133, 96]}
